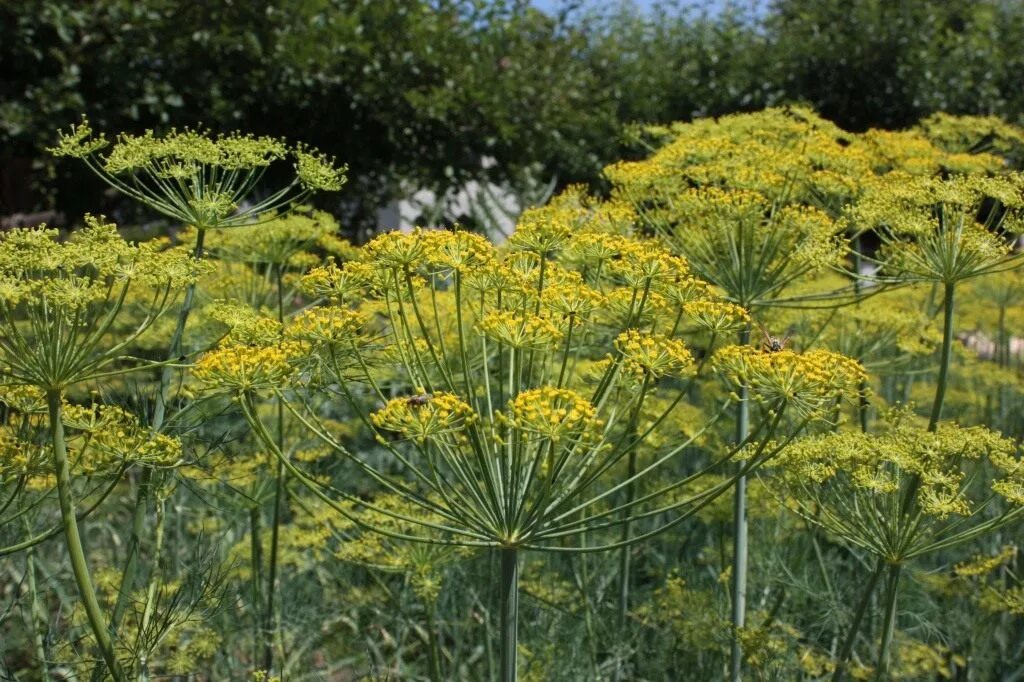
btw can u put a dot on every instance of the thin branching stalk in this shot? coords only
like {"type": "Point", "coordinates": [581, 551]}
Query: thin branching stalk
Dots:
{"type": "Point", "coordinates": [888, 621]}
{"type": "Point", "coordinates": [37, 617]}
{"type": "Point", "coordinates": [509, 612]}
{"type": "Point", "coordinates": [79, 565]}
{"type": "Point", "coordinates": [146, 483]}
{"type": "Point", "coordinates": [858, 617]}
{"type": "Point", "coordinates": [739, 520]}
{"type": "Point", "coordinates": [280, 481]}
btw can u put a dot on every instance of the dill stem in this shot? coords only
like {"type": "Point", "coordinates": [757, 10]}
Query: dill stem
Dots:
{"type": "Point", "coordinates": [73, 540]}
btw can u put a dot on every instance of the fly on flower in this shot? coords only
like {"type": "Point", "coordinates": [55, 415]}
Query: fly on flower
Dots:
{"type": "Point", "coordinates": [419, 400]}
{"type": "Point", "coordinates": [774, 344]}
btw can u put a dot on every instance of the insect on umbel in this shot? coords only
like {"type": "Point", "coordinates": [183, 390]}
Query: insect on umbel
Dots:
{"type": "Point", "coordinates": [773, 344]}
{"type": "Point", "coordinates": [419, 400]}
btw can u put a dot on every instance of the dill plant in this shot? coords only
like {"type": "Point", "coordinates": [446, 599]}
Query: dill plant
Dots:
{"type": "Point", "coordinates": [739, 198]}
{"type": "Point", "coordinates": [520, 375]}
{"type": "Point", "coordinates": [207, 183]}
{"type": "Point", "coordinates": [59, 303]}
{"type": "Point", "coordinates": [941, 231]}
{"type": "Point", "coordinates": [398, 409]}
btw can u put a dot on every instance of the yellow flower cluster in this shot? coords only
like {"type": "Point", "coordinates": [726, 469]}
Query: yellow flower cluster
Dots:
{"type": "Point", "coordinates": [317, 171]}
{"type": "Point", "coordinates": [425, 416]}
{"type": "Point", "coordinates": [646, 263]}
{"type": "Point", "coordinates": [983, 565]}
{"type": "Point", "coordinates": [177, 150]}
{"type": "Point", "coordinates": [571, 296]}
{"type": "Point", "coordinates": [520, 331]}
{"type": "Point", "coordinates": [275, 239]}
{"type": "Point", "coordinates": [246, 325]}
{"type": "Point", "coordinates": [199, 179]}
{"type": "Point", "coordinates": [58, 294]}
{"type": "Point", "coordinates": [653, 355]}
{"type": "Point", "coordinates": [242, 368]}
{"type": "Point", "coordinates": [116, 436]}
{"type": "Point", "coordinates": [178, 154]}
{"type": "Point", "coordinates": [883, 463]}
{"type": "Point", "coordinates": [23, 399]}
{"type": "Point", "coordinates": [456, 250]}
{"type": "Point", "coordinates": [718, 317]}
{"type": "Point", "coordinates": [331, 325]}
{"type": "Point", "coordinates": [542, 231]}
{"type": "Point", "coordinates": [20, 457]}
{"type": "Point", "coordinates": [912, 152]}
{"type": "Point", "coordinates": [786, 153]}
{"type": "Point", "coordinates": [555, 414]}
{"type": "Point", "coordinates": [593, 249]}
{"type": "Point", "coordinates": [805, 383]}
{"type": "Point", "coordinates": [35, 264]}
{"type": "Point", "coordinates": [958, 134]}
{"type": "Point", "coordinates": [336, 283]}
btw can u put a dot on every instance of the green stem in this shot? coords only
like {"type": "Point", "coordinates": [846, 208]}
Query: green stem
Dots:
{"type": "Point", "coordinates": [128, 574]}
{"type": "Point", "coordinates": [76, 552]}
{"type": "Point", "coordinates": [739, 557]}
{"type": "Point", "coordinates": [434, 642]}
{"type": "Point", "coordinates": [37, 617]}
{"type": "Point", "coordinates": [155, 580]}
{"type": "Point", "coordinates": [509, 612]}
{"type": "Point", "coordinates": [944, 359]}
{"type": "Point", "coordinates": [256, 566]}
{"type": "Point", "coordinates": [889, 624]}
{"type": "Point", "coordinates": [279, 483]}
{"type": "Point", "coordinates": [624, 565]}
{"type": "Point", "coordinates": [858, 617]}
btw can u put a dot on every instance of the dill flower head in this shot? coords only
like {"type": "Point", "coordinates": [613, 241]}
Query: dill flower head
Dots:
{"type": "Point", "coordinates": [247, 326]}
{"type": "Point", "coordinates": [489, 280]}
{"type": "Point", "coordinates": [941, 230]}
{"type": "Point", "coordinates": [57, 294]}
{"type": "Point", "coordinates": [593, 249]}
{"type": "Point", "coordinates": [116, 436]}
{"type": "Point", "coordinates": [718, 317]}
{"type": "Point", "coordinates": [456, 250]}
{"type": "Point", "coordinates": [542, 231]}
{"type": "Point", "coordinates": [397, 250]}
{"type": "Point", "coordinates": [336, 283]}
{"type": "Point", "coordinates": [317, 171]}
{"type": "Point", "coordinates": [570, 296]}
{"type": "Point", "coordinates": [805, 383]}
{"type": "Point", "coordinates": [957, 134]}
{"type": "Point", "coordinates": [738, 241]}
{"type": "Point", "coordinates": [555, 414]}
{"type": "Point", "coordinates": [653, 355]}
{"type": "Point", "coordinates": [277, 239]}
{"type": "Point", "coordinates": [328, 325]}
{"type": "Point", "coordinates": [850, 483]}
{"type": "Point", "coordinates": [23, 399]}
{"type": "Point", "coordinates": [425, 416]}
{"type": "Point", "coordinates": [195, 177]}
{"type": "Point", "coordinates": [519, 331]}
{"type": "Point", "coordinates": [627, 307]}
{"type": "Point", "coordinates": [242, 368]}
{"type": "Point", "coordinates": [647, 264]}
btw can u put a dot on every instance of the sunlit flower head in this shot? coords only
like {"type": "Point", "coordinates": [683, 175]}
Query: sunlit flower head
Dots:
{"type": "Point", "coordinates": [804, 383]}
{"type": "Point", "coordinates": [653, 355]}
{"type": "Point", "coordinates": [244, 368]}
{"type": "Point", "coordinates": [425, 416]}
{"type": "Point", "coordinates": [555, 414]}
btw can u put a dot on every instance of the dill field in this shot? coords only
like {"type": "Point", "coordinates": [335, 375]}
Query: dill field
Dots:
{"type": "Point", "coordinates": [748, 406]}
{"type": "Point", "coordinates": [253, 446]}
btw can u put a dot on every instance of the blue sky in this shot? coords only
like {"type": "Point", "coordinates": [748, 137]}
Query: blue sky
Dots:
{"type": "Point", "coordinates": [554, 5]}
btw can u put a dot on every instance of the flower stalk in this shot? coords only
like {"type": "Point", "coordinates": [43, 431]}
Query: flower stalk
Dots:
{"type": "Point", "coordinates": [73, 540]}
